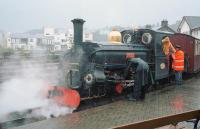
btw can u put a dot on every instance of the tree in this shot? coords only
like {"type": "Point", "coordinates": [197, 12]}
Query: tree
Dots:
{"type": "Point", "coordinates": [5, 52]}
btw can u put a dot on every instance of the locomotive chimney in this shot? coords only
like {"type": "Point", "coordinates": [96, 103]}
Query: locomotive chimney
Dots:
{"type": "Point", "coordinates": [78, 31]}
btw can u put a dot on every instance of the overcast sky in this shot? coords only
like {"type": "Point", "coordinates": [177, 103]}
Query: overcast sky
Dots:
{"type": "Point", "coordinates": [22, 15]}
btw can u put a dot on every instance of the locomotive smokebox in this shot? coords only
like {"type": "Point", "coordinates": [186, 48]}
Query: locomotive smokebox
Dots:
{"type": "Point", "coordinates": [78, 31]}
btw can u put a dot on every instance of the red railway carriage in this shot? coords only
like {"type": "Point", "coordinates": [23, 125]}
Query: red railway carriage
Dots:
{"type": "Point", "coordinates": [191, 47]}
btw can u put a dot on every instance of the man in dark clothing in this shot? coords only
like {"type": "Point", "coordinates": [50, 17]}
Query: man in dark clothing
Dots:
{"type": "Point", "coordinates": [141, 77]}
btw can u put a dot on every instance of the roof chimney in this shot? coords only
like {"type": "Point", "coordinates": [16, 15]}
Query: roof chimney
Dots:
{"type": "Point", "coordinates": [164, 23]}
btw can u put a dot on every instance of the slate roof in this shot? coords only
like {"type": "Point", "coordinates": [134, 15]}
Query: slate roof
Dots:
{"type": "Point", "coordinates": [166, 28]}
{"type": "Point", "coordinates": [175, 26]}
{"type": "Point", "coordinates": [193, 21]}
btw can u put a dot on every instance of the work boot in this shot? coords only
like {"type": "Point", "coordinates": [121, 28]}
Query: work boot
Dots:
{"type": "Point", "coordinates": [131, 98]}
{"type": "Point", "coordinates": [128, 95]}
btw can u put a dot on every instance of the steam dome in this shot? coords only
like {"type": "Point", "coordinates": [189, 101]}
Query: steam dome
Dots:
{"type": "Point", "coordinates": [114, 36]}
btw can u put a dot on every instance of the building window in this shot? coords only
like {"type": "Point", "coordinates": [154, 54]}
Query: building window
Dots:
{"type": "Point", "coordinates": [45, 41]}
{"type": "Point", "coordinates": [23, 47]}
{"type": "Point", "coordinates": [31, 47]}
{"type": "Point", "coordinates": [86, 35]}
{"type": "Point", "coordinates": [31, 40]}
{"type": "Point", "coordinates": [17, 41]}
{"type": "Point", "coordinates": [197, 47]}
{"type": "Point", "coordinates": [24, 40]}
{"type": "Point", "coordinates": [39, 42]}
{"type": "Point", "coordinates": [13, 40]}
{"type": "Point", "coordinates": [63, 40]}
{"type": "Point", "coordinates": [15, 47]}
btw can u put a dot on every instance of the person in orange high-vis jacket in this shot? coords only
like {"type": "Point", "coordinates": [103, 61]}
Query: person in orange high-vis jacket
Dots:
{"type": "Point", "coordinates": [178, 64]}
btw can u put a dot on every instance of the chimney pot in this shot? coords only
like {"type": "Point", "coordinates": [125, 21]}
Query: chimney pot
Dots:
{"type": "Point", "coordinates": [164, 23]}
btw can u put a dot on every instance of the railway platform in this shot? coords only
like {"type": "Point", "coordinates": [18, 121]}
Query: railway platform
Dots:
{"type": "Point", "coordinates": [167, 101]}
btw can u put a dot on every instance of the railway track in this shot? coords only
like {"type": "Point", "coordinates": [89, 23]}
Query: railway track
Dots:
{"type": "Point", "coordinates": [19, 122]}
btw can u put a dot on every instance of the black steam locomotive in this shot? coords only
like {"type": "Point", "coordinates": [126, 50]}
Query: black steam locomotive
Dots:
{"type": "Point", "coordinates": [97, 69]}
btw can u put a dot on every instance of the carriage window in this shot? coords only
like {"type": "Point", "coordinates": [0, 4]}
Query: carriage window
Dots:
{"type": "Point", "coordinates": [197, 47]}
{"type": "Point", "coordinates": [198, 42]}
{"type": "Point", "coordinates": [196, 50]}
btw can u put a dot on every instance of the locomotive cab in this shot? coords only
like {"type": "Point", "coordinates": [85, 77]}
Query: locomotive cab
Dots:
{"type": "Point", "coordinates": [159, 63]}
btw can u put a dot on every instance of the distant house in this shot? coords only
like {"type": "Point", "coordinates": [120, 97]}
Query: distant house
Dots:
{"type": "Point", "coordinates": [48, 39]}
{"type": "Point", "coordinates": [24, 41]}
{"type": "Point", "coordinates": [166, 27]}
{"type": "Point", "coordinates": [190, 25]}
{"type": "Point", "coordinates": [88, 37]}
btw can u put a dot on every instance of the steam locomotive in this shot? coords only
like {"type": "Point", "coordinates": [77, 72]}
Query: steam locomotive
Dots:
{"type": "Point", "coordinates": [98, 69]}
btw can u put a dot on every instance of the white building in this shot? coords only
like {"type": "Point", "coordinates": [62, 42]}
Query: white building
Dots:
{"type": "Point", "coordinates": [6, 40]}
{"type": "Point", "coordinates": [18, 41]}
{"type": "Point", "coordinates": [29, 42]}
{"type": "Point", "coordinates": [49, 40]}
{"type": "Point", "coordinates": [60, 42]}
{"type": "Point", "coordinates": [70, 36]}
{"type": "Point", "coordinates": [88, 37]}
{"type": "Point", "coordinates": [46, 43]}
{"type": "Point", "coordinates": [190, 25]}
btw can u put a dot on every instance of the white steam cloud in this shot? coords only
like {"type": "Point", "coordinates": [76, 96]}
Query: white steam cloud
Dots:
{"type": "Point", "coordinates": [25, 90]}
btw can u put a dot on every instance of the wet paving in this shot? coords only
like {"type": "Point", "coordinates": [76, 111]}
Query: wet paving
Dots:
{"type": "Point", "coordinates": [170, 100]}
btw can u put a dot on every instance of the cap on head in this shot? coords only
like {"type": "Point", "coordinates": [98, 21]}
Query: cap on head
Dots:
{"type": "Point", "coordinates": [177, 46]}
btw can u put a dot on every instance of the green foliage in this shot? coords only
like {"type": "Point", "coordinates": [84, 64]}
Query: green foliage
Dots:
{"type": "Point", "coordinates": [5, 52]}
